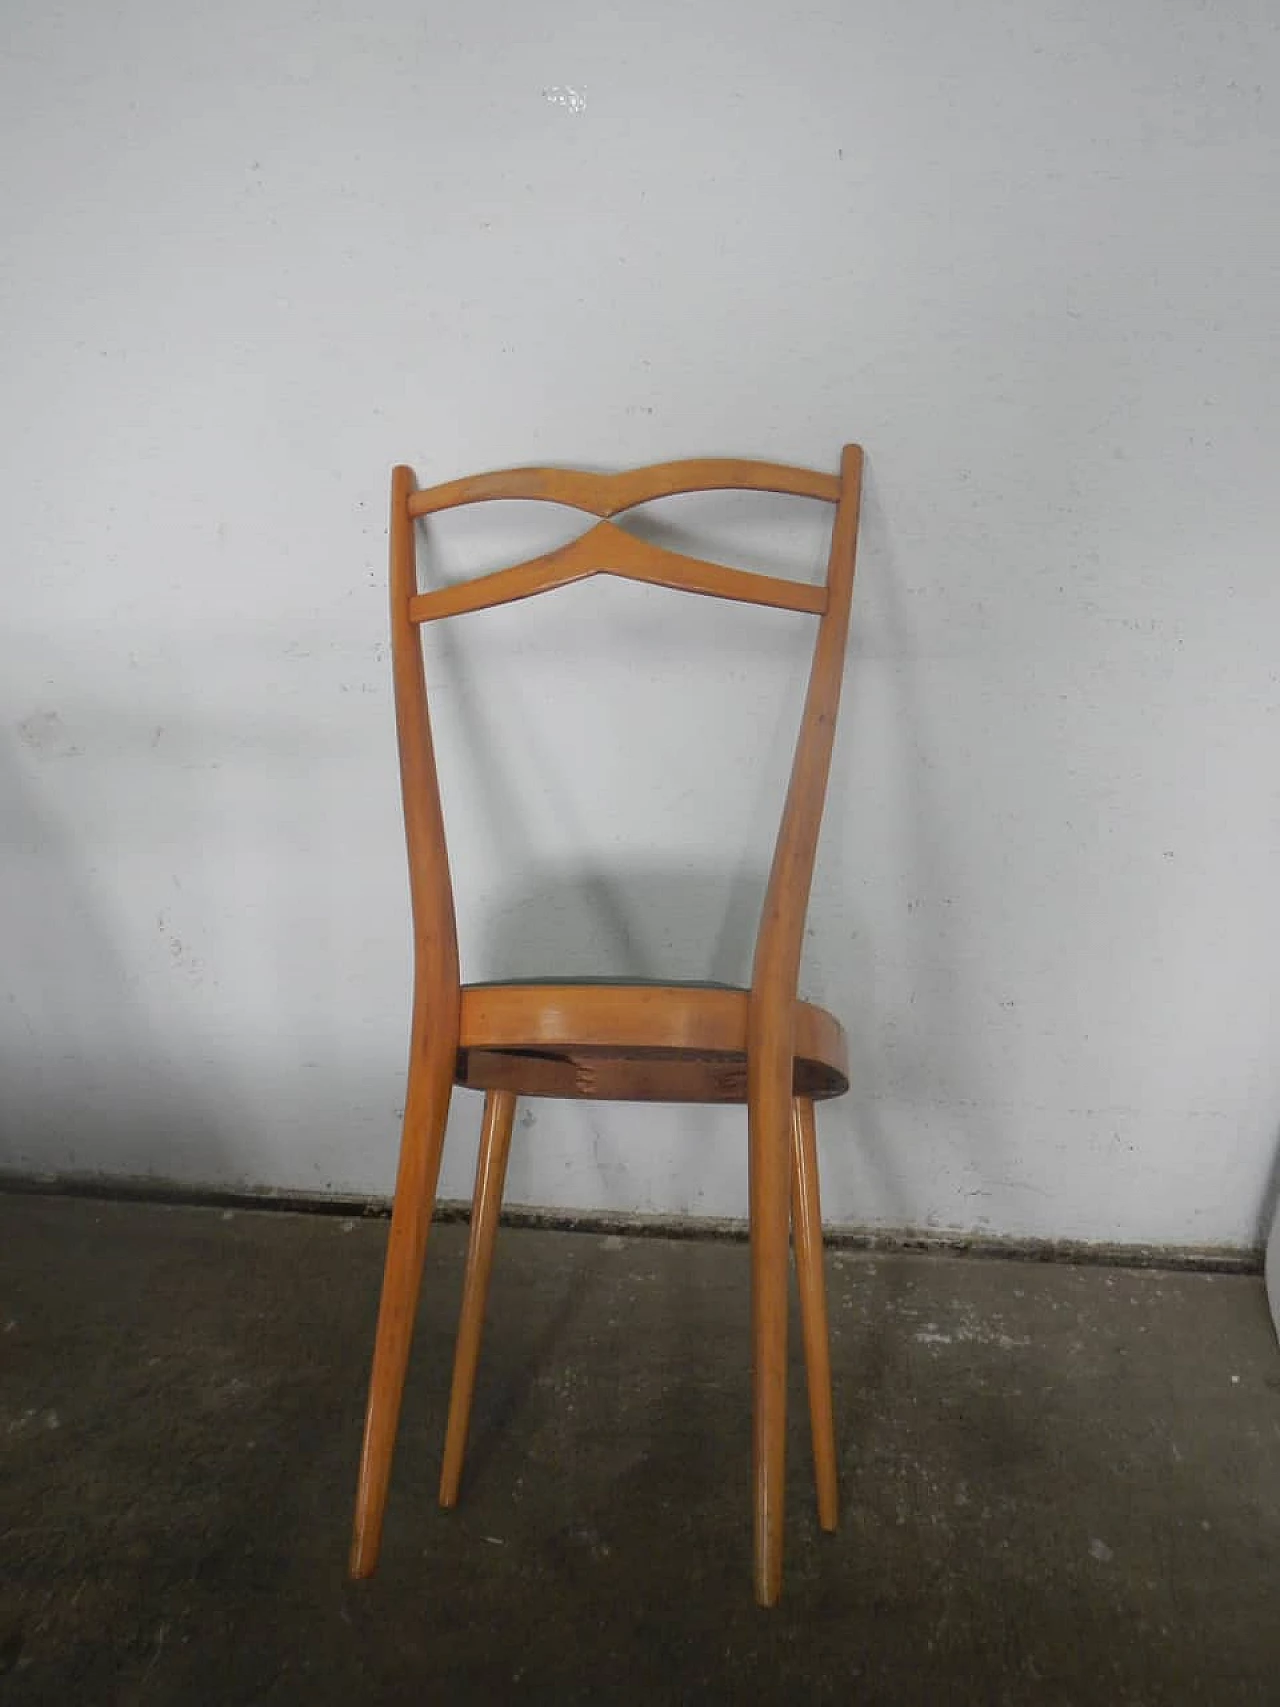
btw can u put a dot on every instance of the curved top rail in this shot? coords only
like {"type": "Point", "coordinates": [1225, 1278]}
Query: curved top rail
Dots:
{"type": "Point", "coordinates": [610, 494]}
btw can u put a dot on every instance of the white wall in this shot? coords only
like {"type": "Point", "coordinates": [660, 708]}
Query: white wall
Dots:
{"type": "Point", "coordinates": [1028, 255]}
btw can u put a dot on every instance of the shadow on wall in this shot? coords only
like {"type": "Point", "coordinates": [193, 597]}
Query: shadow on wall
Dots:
{"type": "Point", "coordinates": [653, 924]}
{"type": "Point", "coordinates": [911, 1011]}
{"type": "Point", "coordinates": [643, 924]}
{"type": "Point", "coordinates": [1269, 1228]}
{"type": "Point", "coordinates": [913, 1038]}
{"type": "Point", "coordinates": [82, 1076]}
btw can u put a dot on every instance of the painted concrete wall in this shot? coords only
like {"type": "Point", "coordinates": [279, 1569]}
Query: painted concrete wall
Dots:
{"type": "Point", "coordinates": [1028, 255]}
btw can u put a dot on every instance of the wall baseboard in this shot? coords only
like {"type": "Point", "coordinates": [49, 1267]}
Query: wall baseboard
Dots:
{"type": "Point", "coordinates": [1217, 1259]}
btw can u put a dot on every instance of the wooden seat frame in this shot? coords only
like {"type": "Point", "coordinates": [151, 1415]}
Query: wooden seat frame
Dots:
{"type": "Point", "coordinates": [761, 1046]}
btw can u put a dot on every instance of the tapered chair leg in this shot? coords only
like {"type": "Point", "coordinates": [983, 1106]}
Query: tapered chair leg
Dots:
{"type": "Point", "coordinates": [806, 1224]}
{"type": "Point", "coordinates": [426, 1111]}
{"type": "Point", "coordinates": [768, 1126]}
{"type": "Point", "coordinates": [486, 1206]}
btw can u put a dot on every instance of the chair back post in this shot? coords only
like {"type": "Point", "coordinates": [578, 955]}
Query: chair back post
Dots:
{"type": "Point", "coordinates": [775, 972]}
{"type": "Point", "coordinates": [436, 980]}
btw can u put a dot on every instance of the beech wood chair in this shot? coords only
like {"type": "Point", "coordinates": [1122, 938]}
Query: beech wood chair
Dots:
{"type": "Point", "coordinates": [761, 1046]}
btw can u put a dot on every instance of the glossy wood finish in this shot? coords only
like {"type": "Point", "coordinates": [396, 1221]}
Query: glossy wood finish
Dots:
{"type": "Point", "coordinates": [612, 494]}
{"type": "Point", "coordinates": [607, 550]}
{"type": "Point", "coordinates": [645, 1042]}
{"type": "Point", "coordinates": [433, 1043]}
{"type": "Point", "coordinates": [806, 1233]}
{"type": "Point", "coordinates": [771, 1038]}
{"type": "Point", "coordinates": [486, 1206]}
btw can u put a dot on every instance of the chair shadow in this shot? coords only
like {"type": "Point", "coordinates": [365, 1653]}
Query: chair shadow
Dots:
{"type": "Point", "coordinates": [651, 924]}
{"type": "Point", "coordinates": [648, 924]}
{"type": "Point", "coordinates": [663, 920]}
{"type": "Point", "coordinates": [1269, 1238]}
{"type": "Point", "coordinates": [504, 1398]}
{"type": "Point", "coordinates": [910, 1051]}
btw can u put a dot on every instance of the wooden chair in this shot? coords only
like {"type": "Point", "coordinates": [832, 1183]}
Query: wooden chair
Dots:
{"type": "Point", "coordinates": [643, 1042]}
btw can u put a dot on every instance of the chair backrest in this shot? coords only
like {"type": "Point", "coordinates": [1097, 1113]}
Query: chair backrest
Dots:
{"type": "Point", "coordinates": [609, 550]}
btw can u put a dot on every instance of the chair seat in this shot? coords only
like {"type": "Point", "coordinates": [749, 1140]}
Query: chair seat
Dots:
{"type": "Point", "coordinates": [631, 1042]}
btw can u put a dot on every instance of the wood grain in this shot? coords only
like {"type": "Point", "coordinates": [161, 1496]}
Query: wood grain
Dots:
{"type": "Point", "coordinates": [693, 1017]}
{"type": "Point", "coordinates": [608, 550]}
{"type": "Point", "coordinates": [612, 494]}
{"type": "Point", "coordinates": [433, 1043]}
{"type": "Point", "coordinates": [621, 1075]}
{"type": "Point", "coordinates": [771, 1039]}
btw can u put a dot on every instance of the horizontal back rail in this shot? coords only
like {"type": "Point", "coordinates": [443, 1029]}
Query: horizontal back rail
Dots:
{"type": "Point", "coordinates": [609, 550]}
{"type": "Point", "coordinates": [607, 495]}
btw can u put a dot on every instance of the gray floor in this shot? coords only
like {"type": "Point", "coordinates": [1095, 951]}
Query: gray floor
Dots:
{"type": "Point", "coordinates": [1059, 1484]}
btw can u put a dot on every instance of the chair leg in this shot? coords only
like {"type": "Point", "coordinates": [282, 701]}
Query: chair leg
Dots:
{"type": "Point", "coordinates": [768, 1124]}
{"type": "Point", "coordinates": [806, 1222]}
{"type": "Point", "coordinates": [491, 1173]}
{"type": "Point", "coordinates": [426, 1111]}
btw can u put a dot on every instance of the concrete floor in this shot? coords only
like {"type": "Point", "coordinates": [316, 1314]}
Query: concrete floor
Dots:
{"type": "Point", "coordinates": [1060, 1484]}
